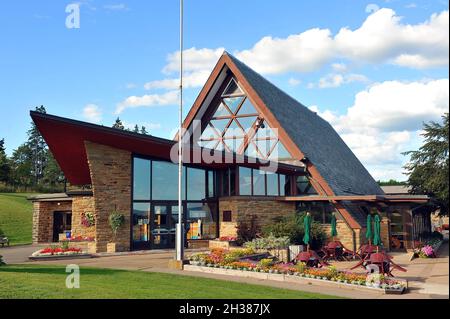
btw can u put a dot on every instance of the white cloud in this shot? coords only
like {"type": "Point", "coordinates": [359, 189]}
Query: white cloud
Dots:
{"type": "Point", "coordinates": [302, 52]}
{"type": "Point", "coordinates": [191, 80]}
{"type": "Point", "coordinates": [92, 113]}
{"type": "Point", "coordinates": [382, 37]}
{"type": "Point", "coordinates": [193, 59]}
{"type": "Point", "coordinates": [386, 119]}
{"type": "Point", "coordinates": [334, 80]}
{"type": "Point", "coordinates": [168, 98]}
{"type": "Point", "coordinates": [294, 82]}
{"type": "Point", "coordinates": [339, 67]}
{"type": "Point", "coordinates": [116, 7]}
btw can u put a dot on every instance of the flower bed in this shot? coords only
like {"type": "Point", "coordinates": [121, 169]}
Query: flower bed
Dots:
{"type": "Point", "coordinates": [428, 248]}
{"type": "Point", "coordinates": [59, 253]}
{"type": "Point", "coordinates": [239, 260]}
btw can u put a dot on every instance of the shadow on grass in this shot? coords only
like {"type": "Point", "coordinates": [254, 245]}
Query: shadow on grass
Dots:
{"type": "Point", "coordinates": [57, 270]}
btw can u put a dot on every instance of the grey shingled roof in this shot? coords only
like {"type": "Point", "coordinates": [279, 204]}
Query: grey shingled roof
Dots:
{"type": "Point", "coordinates": [315, 137]}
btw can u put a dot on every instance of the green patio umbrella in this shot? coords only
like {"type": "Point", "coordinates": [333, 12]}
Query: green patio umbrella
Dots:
{"type": "Point", "coordinates": [333, 226]}
{"type": "Point", "coordinates": [369, 229]}
{"type": "Point", "coordinates": [377, 231]}
{"type": "Point", "coordinates": [307, 227]}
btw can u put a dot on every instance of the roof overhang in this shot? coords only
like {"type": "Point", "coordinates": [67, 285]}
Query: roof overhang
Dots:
{"type": "Point", "coordinates": [66, 140]}
{"type": "Point", "coordinates": [361, 198]}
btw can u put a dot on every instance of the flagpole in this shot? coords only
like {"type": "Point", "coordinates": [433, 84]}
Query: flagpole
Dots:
{"type": "Point", "coordinates": [180, 230]}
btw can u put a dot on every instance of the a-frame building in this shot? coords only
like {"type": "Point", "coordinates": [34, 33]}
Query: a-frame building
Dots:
{"type": "Point", "coordinates": [251, 153]}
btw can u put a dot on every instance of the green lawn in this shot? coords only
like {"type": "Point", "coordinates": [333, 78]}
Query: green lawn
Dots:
{"type": "Point", "coordinates": [48, 282]}
{"type": "Point", "coordinates": [16, 217]}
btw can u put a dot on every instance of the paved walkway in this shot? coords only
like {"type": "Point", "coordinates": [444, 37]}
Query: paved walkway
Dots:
{"type": "Point", "coordinates": [428, 278]}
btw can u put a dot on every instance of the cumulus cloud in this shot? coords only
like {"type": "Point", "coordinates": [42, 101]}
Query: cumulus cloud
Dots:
{"type": "Point", "coordinates": [92, 113]}
{"type": "Point", "coordinates": [194, 60]}
{"type": "Point", "coordinates": [294, 82]}
{"type": "Point", "coordinates": [191, 80]}
{"type": "Point", "coordinates": [382, 37]}
{"type": "Point", "coordinates": [386, 119]}
{"type": "Point", "coordinates": [302, 52]}
{"type": "Point", "coordinates": [149, 100]}
{"type": "Point", "coordinates": [334, 80]}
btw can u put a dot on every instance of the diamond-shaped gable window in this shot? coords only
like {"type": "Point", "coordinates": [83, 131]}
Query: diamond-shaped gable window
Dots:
{"type": "Point", "coordinates": [232, 89]}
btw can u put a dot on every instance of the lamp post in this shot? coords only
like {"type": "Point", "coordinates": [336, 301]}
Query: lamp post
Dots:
{"type": "Point", "coordinates": [180, 229]}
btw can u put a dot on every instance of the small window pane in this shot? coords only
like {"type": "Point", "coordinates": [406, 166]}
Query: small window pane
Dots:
{"type": "Point", "coordinates": [272, 184]}
{"type": "Point", "coordinates": [209, 133]}
{"type": "Point", "coordinates": [211, 183]}
{"type": "Point", "coordinates": [282, 185]}
{"type": "Point", "coordinates": [234, 144]}
{"type": "Point", "coordinates": [201, 221]}
{"type": "Point", "coordinates": [196, 186]}
{"type": "Point", "coordinates": [259, 184]}
{"type": "Point", "coordinates": [220, 125]}
{"type": "Point", "coordinates": [245, 181]}
{"type": "Point", "coordinates": [222, 111]}
{"type": "Point", "coordinates": [232, 88]}
{"type": "Point", "coordinates": [233, 103]}
{"type": "Point", "coordinates": [247, 122]}
{"type": "Point", "coordinates": [141, 179]}
{"type": "Point", "coordinates": [141, 222]}
{"type": "Point", "coordinates": [247, 108]}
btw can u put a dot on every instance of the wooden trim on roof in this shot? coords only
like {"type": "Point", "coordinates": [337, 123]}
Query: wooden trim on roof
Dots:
{"type": "Point", "coordinates": [319, 198]}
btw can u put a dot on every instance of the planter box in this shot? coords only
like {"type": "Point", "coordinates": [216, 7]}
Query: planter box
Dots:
{"type": "Point", "coordinates": [112, 248]}
{"type": "Point", "coordinates": [221, 244]}
{"type": "Point", "coordinates": [287, 278]}
{"type": "Point", "coordinates": [60, 257]}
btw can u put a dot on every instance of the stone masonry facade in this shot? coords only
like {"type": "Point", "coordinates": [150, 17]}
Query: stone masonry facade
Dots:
{"type": "Point", "coordinates": [242, 209]}
{"type": "Point", "coordinates": [82, 205]}
{"type": "Point", "coordinates": [43, 212]}
{"type": "Point", "coordinates": [110, 170]}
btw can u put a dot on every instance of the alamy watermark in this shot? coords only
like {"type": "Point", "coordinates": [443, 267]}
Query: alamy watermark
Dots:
{"type": "Point", "coordinates": [73, 279]}
{"type": "Point", "coordinates": [73, 17]}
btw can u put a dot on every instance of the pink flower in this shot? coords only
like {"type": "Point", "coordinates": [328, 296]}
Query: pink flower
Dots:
{"type": "Point", "coordinates": [428, 250]}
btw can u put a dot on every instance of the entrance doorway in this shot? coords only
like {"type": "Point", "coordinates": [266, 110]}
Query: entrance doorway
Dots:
{"type": "Point", "coordinates": [154, 225]}
{"type": "Point", "coordinates": [62, 222]}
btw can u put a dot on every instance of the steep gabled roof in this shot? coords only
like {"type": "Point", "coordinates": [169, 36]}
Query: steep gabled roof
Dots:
{"type": "Point", "coordinates": [314, 137]}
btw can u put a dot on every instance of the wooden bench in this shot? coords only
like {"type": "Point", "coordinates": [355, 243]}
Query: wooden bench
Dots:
{"type": "Point", "coordinates": [3, 241]}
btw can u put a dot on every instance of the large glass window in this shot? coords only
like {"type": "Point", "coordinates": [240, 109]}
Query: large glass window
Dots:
{"type": "Point", "coordinates": [304, 186]}
{"type": "Point", "coordinates": [165, 181]}
{"type": "Point", "coordinates": [320, 211]}
{"type": "Point", "coordinates": [196, 185]}
{"type": "Point", "coordinates": [259, 183]}
{"type": "Point", "coordinates": [141, 179]}
{"type": "Point", "coordinates": [141, 222]}
{"type": "Point", "coordinates": [272, 184]}
{"type": "Point", "coordinates": [245, 181]}
{"type": "Point", "coordinates": [234, 118]}
{"type": "Point", "coordinates": [201, 221]}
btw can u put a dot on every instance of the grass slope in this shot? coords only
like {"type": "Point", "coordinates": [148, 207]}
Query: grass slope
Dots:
{"type": "Point", "coordinates": [48, 282]}
{"type": "Point", "coordinates": [16, 217]}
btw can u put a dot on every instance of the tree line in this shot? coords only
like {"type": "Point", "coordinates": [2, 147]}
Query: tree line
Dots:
{"type": "Point", "coordinates": [32, 167]}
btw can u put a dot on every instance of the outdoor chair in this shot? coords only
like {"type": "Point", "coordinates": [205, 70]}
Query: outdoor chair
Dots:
{"type": "Point", "coordinates": [333, 250]}
{"type": "Point", "coordinates": [311, 259]}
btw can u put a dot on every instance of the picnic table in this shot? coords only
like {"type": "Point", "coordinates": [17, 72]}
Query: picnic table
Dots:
{"type": "Point", "coordinates": [311, 259]}
{"type": "Point", "coordinates": [337, 251]}
{"type": "Point", "coordinates": [384, 262]}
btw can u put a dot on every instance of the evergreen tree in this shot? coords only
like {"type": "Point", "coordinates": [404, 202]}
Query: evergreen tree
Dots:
{"type": "Point", "coordinates": [4, 163]}
{"type": "Point", "coordinates": [136, 129]}
{"type": "Point", "coordinates": [118, 124]}
{"type": "Point", "coordinates": [428, 167]}
{"type": "Point", "coordinates": [38, 150]}
{"type": "Point", "coordinates": [21, 167]}
{"type": "Point", "coordinates": [53, 176]}
{"type": "Point", "coordinates": [144, 130]}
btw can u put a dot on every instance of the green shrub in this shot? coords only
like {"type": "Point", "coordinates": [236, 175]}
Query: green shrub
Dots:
{"type": "Point", "coordinates": [116, 221]}
{"type": "Point", "coordinates": [292, 227]}
{"type": "Point", "coordinates": [300, 267]}
{"type": "Point", "coordinates": [269, 242]}
{"type": "Point", "coordinates": [65, 244]}
{"type": "Point", "coordinates": [266, 262]}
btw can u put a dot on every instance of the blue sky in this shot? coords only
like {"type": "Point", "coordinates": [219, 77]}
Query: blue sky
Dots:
{"type": "Point", "coordinates": [376, 80]}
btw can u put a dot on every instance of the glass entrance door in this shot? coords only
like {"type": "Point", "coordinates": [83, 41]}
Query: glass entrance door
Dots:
{"type": "Point", "coordinates": [141, 226]}
{"type": "Point", "coordinates": [163, 225]}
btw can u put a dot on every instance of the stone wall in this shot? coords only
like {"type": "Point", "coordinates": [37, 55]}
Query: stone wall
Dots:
{"type": "Point", "coordinates": [110, 170]}
{"type": "Point", "coordinates": [242, 208]}
{"type": "Point", "coordinates": [82, 205]}
{"type": "Point", "coordinates": [345, 234]}
{"type": "Point", "coordinates": [43, 212]}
